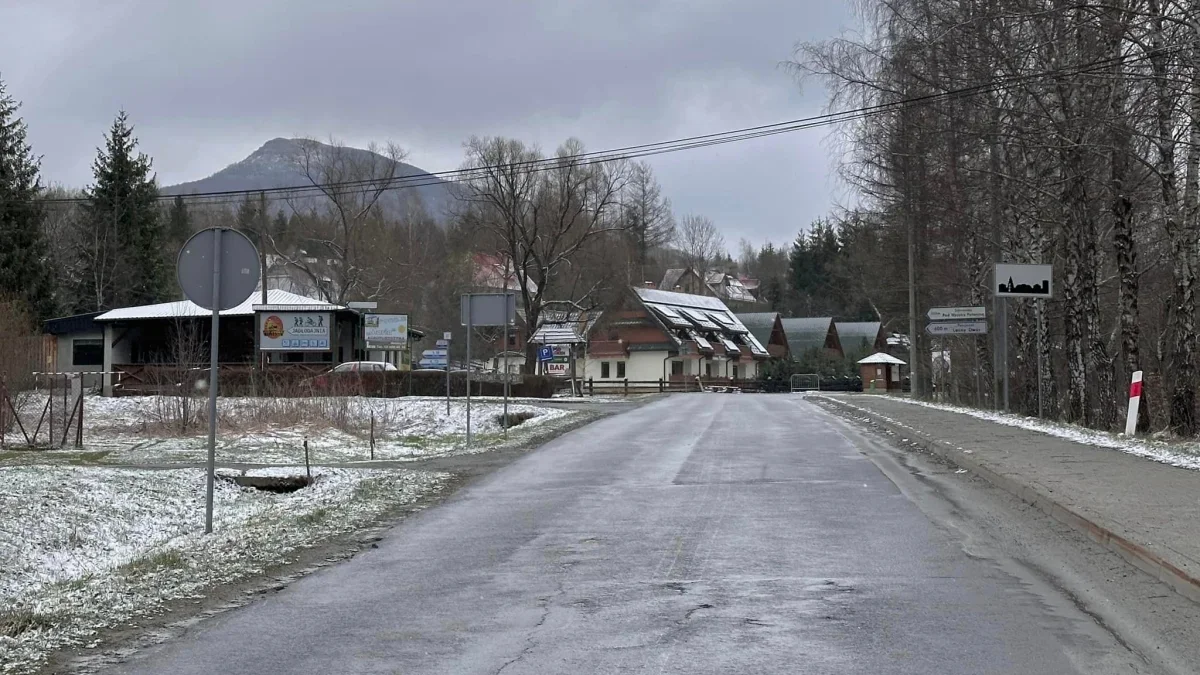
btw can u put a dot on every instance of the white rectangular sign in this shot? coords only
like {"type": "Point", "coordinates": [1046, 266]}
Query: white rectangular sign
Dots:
{"type": "Point", "coordinates": [295, 331]}
{"type": "Point", "coordinates": [956, 313]}
{"type": "Point", "coordinates": [957, 328]}
{"type": "Point", "coordinates": [386, 331]}
{"type": "Point", "coordinates": [556, 369]}
{"type": "Point", "coordinates": [1023, 281]}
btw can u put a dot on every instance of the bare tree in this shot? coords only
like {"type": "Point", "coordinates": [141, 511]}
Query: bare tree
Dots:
{"type": "Point", "coordinates": [341, 228]}
{"type": "Point", "coordinates": [539, 213]}
{"type": "Point", "coordinates": [648, 218]}
{"type": "Point", "coordinates": [700, 242]}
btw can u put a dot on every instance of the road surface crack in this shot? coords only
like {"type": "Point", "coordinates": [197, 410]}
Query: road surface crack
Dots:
{"type": "Point", "coordinates": [695, 609]}
{"type": "Point", "coordinates": [530, 643]}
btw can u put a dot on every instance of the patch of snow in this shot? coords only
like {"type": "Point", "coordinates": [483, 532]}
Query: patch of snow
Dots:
{"type": "Point", "coordinates": [149, 429]}
{"type": "Point", "coordinates": [82, 548]}
{"type": "Point", "coordinates": [1148, 449]}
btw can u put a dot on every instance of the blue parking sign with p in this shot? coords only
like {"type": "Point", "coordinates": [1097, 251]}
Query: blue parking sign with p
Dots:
{"type": "Point", "coordinates": [545, 353]}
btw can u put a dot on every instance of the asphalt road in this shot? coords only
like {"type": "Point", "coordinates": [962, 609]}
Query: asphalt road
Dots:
{"type": "Point", "coordinates": [697, 534]}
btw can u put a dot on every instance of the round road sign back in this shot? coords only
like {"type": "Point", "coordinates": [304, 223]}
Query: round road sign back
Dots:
{"type": "Point", "coordinates": [239, 271]}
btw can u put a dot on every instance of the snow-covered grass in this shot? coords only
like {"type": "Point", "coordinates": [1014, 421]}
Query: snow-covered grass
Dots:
{"type": "Point", "coordinates": [1175, 454]}
{"type": "Point", "coordinates": [82, 548]}
{"type": "Point", "coordinates": [158, 429]}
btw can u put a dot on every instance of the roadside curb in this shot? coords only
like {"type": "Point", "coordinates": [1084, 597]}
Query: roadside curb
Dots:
{"type": "Point", "coordinates": [1137, 555]}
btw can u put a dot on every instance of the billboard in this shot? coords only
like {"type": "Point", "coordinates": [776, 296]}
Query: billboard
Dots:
{"type": "Point", "coordinates": [1023, 281]}
{"type": "Point", "coordinates": [386, 331]}
{"type": "Point", "coordinates": [295, 331]}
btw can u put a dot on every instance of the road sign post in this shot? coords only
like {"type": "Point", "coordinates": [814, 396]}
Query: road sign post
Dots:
{"type": "Point", "coordinates": [1018, 281]}
{"type": "Point", "coordinates": [505, 348]}
{"type": "Point", "coordinates": [486, 309]}
{"type": "Point", "coordinates": [957, 328]}
{"type": "Point", "coordinates": [956, 314]}
{"type": "Point", "coordinates": [948, 321]}
{"type": "Point", "coordinates": [445, 343]}
{"type": "Point", "coordinates": [217, 269]}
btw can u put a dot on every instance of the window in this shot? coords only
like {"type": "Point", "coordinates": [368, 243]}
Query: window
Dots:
{"type": "Point", "coordinates": [604, 370]}
{"type": "Point", "coordinates": [87, 352]}
{"type": "Point", "coordinates": [677, 367]}
{"type": "Point", "coordinates": [621, 370]}
{"type": "Point", "coordinates": [735, 372]}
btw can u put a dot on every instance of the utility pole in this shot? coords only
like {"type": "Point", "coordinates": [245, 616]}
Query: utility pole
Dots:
{"type": "Point", "coordinates": [262, 237]}
{"type": "Point", "coordinates": [914, 372]}
{"type": "Point", "coordinates": [260, 362]}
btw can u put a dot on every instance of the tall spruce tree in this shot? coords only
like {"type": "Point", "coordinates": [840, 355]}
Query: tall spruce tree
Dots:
{"type": "Point", "coordinates": [121, 259]}
{"type": "Point", "coordinates": [179, 225]}
{"type": "Point", "coordinates": [25, 272]}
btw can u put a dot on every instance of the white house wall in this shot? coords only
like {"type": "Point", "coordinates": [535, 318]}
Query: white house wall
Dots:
{"type": "Point", "coordinates": [639, 367]}
{"type": "Point", "coordinates": [648, 367]}
{"type": "Point", "coordinates": [113, 355]}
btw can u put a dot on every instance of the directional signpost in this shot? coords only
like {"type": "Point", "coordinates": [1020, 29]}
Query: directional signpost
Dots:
{"type": "Point", "coordinates": [944, 321]}
{"type": "Point", "coordinates": [957, 328]}
{"type": "Point", "coordinates": [956, 321]}
{"type": "Point", "coordinates": [956, 314]}
{"type": "Point", "coordinates": [435, 358]}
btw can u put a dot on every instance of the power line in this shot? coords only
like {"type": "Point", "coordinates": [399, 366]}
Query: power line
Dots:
{"type": "Point", "coordinates": [642, 150]}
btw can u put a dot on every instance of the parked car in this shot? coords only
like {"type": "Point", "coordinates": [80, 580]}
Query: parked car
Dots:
{"type": "Point", "coordinates": [344, 377]}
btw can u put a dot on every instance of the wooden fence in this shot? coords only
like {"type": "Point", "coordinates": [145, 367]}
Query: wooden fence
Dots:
{"type": "Point", "coordinates": [625, 387]}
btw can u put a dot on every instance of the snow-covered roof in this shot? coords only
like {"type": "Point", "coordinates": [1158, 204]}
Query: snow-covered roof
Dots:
{"type": "Point", "coordinates": [681, 299]}
{"type": "Point", "coordinates": [556, 334]}
{"type": "Point", "coordinates": [665, 303]}
{"type": "Point", "coordinates": [881, 358]}
{"type": "Point", "coordinates": [671, 278]}
{"type": "Point", "coordinates": [187, 308]}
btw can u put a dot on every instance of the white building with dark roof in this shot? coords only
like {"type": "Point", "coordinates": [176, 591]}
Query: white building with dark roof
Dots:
{"type": "Point", "coordinates": [137, 348]}
{"type": "Point", "coordinates": [675, 337]}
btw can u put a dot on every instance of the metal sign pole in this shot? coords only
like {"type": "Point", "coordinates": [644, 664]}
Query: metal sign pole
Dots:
{"type": "Point", "coordinates": [1004, 346]}
{"type": "Point", "coordinates": [470, 328]}
{"type": "Point", "coordinates": [505, 366]}
{"type": "Point", "coordinates": [212, 383]}
{"type": "Point", "coordinates": [1041, 309]}
{"type": "Point", "coordinates": [446, 337]}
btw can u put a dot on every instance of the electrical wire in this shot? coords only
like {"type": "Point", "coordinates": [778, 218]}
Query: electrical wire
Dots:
{"type": "Point", "coordinates": [467, 174]}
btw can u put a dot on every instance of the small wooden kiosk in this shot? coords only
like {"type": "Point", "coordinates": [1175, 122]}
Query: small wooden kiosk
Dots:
{"type": "Point", "coordinates": [881, 373]}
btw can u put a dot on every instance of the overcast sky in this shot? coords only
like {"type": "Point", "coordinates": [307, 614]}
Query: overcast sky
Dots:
{"type": "Point", "coordinates": [205, 83]}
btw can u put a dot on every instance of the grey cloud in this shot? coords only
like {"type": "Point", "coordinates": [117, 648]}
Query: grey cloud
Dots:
{"type": "Point", "coordinates": [208, 82]}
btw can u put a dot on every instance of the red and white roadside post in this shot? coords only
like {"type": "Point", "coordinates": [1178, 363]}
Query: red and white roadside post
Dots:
{"type": "Point", "coordinates": [1135, 399]}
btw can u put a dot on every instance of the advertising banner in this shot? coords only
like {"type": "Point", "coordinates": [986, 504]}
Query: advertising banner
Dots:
{"type": "Point", "coordinates": [386, 331]}
{"type": "Point", "coordinates": [295, 331]}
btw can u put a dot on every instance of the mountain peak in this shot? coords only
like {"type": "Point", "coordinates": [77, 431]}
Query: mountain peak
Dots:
{"type": "Point", "coordinates": [273, 166]}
